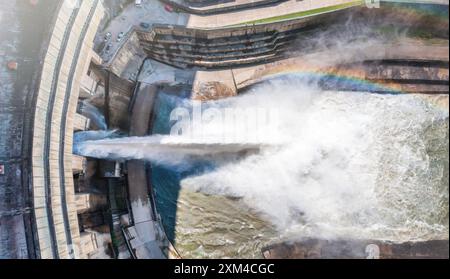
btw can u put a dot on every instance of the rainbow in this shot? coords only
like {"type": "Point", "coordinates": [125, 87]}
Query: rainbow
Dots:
{"type": "Point", "coordinates": [439, 11]}
{"type": "Point", "coordinates": [340, 81]}
{"type": "Point", "coordinates": [349, 82]}
{"type": "Point", "coordinates": [354, 79]}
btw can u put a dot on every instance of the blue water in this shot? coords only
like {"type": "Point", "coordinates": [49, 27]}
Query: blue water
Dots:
{"type": "Point", "coordinates": [166, 180]}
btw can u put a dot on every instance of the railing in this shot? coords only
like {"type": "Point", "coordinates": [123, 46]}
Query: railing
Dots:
{"type": "Point", "coordinates": [128, 237]}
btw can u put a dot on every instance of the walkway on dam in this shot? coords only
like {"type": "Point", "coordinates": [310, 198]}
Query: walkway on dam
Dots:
{"type": "Point", "coordinates": [243, 16]}
{"type": "Point", "coordinates": [218, 6]}
{"type": "Point", "coordinates": [281, 11]}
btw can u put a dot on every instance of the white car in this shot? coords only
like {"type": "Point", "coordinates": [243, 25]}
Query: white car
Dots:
{"type": "Point", "coordinates": [108, 36]}
{"type": "Point", "coordinates": [120, 36]}
{"type": "Point", "coordinates": [108, 48]}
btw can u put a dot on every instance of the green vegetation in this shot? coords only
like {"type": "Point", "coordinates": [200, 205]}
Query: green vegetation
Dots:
{"type": "Point", "coordinates": [303, 13]}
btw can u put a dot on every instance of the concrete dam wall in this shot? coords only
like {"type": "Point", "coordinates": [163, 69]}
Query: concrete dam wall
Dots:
{"type": "Point", "coordinates": [17, 95]}
{"type": "Point", "coordinates": [39, 217]}
{"type": "Point", "coordinates": [65, 62]}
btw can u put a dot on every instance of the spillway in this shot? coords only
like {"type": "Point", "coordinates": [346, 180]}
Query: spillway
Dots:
{"type": "Point", "coordinates": [157, 148]}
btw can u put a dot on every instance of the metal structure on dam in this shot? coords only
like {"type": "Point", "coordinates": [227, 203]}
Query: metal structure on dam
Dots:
{"type": "Point", "coordinates": [55, 61]}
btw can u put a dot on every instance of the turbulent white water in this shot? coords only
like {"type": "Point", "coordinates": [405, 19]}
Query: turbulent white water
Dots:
{"type": "Point", "coordinates": [345, 164]}
{"type": "Point", "coordinates": [353, 165]}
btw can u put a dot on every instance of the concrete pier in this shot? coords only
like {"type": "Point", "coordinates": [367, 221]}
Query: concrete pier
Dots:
{"type": "Point", "coordinates": [146, 234]}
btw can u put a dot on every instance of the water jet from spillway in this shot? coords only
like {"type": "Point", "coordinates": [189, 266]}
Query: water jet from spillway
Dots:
{"type": "Point", "coordinates": [165, 150]}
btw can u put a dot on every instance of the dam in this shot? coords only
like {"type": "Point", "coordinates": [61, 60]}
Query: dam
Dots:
{"type": "Point", "coordinates": [121, 134]}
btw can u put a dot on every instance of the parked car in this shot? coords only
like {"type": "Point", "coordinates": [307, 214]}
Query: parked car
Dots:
{"type": "Point", "coordinates": [168, 8]}
{"type": "Point", "coordinates": [108, 36]}
{"type": "Point", "coordinates": [108, 48]}
{"type": "Point", "coordinates": [120, 36]}
{"type": "Point", "coordinates": [144, 25]}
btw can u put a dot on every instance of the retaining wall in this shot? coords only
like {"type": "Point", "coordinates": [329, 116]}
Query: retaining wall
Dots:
{"type": "Point", "coordinates": [229, 47]}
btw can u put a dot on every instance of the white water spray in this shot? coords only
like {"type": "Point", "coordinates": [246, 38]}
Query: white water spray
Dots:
{"type": "Point", "coordinates": [353, 165]}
